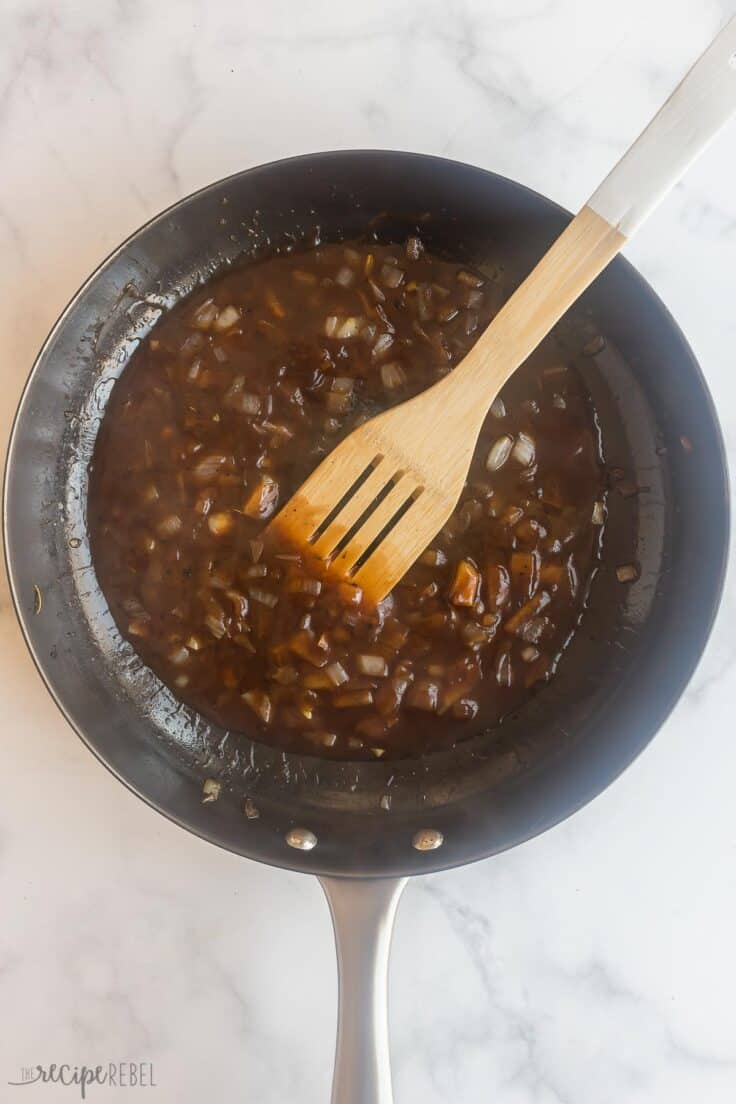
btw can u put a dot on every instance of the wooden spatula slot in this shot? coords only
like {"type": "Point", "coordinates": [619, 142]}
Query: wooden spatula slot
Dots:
{"type": "Point", "coordinates": [350, 496]}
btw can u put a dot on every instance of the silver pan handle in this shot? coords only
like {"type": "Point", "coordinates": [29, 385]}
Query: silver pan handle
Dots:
{"type": "Point", "coordinates": [363, 912]}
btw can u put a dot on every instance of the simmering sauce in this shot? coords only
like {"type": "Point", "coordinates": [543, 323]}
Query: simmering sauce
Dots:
{"type": "Point", "coordinates": [235, 397]}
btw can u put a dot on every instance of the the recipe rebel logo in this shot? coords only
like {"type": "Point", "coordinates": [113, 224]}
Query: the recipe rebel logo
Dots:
{"type": "Point", "coordinates": [118, 1075]}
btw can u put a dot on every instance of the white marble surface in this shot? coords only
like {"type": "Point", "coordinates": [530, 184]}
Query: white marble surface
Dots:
{"type": "Point", "coordinates": [593, 966]}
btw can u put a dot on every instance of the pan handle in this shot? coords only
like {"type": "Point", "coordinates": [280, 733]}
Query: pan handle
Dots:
{"type": "Point", "coordinates": [363, 912]}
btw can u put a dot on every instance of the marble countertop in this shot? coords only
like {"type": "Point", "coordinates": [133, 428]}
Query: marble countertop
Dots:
{"type": "Point", "coordinates": [594, 965]}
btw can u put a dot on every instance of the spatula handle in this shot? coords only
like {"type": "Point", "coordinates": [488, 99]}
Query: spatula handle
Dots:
{"type": "Point", "coordinates": [702, 102]}
{"type": "Point", "coordinates": [680, 130]}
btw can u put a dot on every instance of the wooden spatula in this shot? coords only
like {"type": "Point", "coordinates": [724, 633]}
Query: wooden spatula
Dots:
{"type": "Point", "coordinates": [375, 503]}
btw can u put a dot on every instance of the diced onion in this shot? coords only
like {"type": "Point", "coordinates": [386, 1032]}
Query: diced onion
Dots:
{"type": "Point", "coordinates": [350, 594]}
{"type": "Point", "coordinates": [285, 676]}
{"type": "Point", "coordinates": [302, 584]}
{"type": "Point", "coordinates": [349, 328]}
{"type": "Point", "coordinates": [260, 703]}
{"type": "Point", "coordinates": [424, 303]}
{"type": "Point", "coordinates": [385, 320]}
{"type": "Point", "coordinates": [390, 695]}
{"type": "Point", "coordinates": [392, 375]}
{"type": "Point", "coordinates": [433, 557]}
{"type": "Point", "coordinates": [465, 709]}
{"type": "Point", "coordinates": [274, 304]}
{"type": "Point", "coordinates": [249, 403]}
{"type": "Point", "coordinates": [350, 699]}
{"type": "Point", "coordinates": [475, 635]}
{"type": "Point", "coordinates": [194, 370]}
{"type": "Point", "coordinates": [465, 585]}
{"type": "Point", "coordinates": [529, 610]}
{"type": "Point", "coordinates": [471, 322]}
{"type": "Point", "coordinates": [499, 453]}
{"type": "Point", "coordinates": [210, 791]}
{"type": "Point", "coordinates": [302, 277]}
{"type": "Point", "coordinates": [391, 275]}
{"type": "Point", "coordinates": [178, 655]}
{"type": "Point", "coordinates": [595, 345]}
{"type": "Point", "coordinates": [169, 527]}
{"type": "Point", "coordinates": [226, 319]}
{"type": "Point", "coordinates": [337, 402]}
{"type": "Point", "coordinates": [447, 313]}
{"type": "Point", "coordinates": [523, 451]}
{"type": "Point", "coordinates": [424, 694]}
{"type": "Point", "coordinates": [257, 571]}
{"type": "Point", "coordinates": [220, 524]}
{"type": "Point", "coordinates": [414, 248]}
{"type": "Point", "coordinates": [504, 670]}
{"type": "Point", "coordinates": [473, 299]}
{"type": "Point", "coordinates": [220, 580]}
{"type": "Point", "coordinates": [280, 431]}
{"type": "Point", "coordinates": [343, 384]}
{"type": "Point", "coordinates": [317, 680]}
{"type": "Point", "coordinates": [191, 345]}
{"type": "Point", "coordinates": [345, 276]}
{"type": "Point", "coordinates": [208, 467]}
{"type": "Point", "coordinates": [303, 644]}
{"type": "Point", "coordinates": [382, 345]}
{"type": "Point", "coordinates": [372, 665]}
{"type": "Point", "coordinates": [263, 499]}
{"type": "Point", "coordinates": [599, 513]}
{"type": "Point", "coordinates": [627, 573]}
{"type": "Point", "coordinates": [469, 279]}
{"type": "Point", "coordinates": [331, 325]}
{"type": "Point", "coordinates": [264, 597]}
{"type": "Point", "coordinates": [204, 315]}
{"type": "Point", "coordinates": [498, 408]}
{"type": "Point", "coordinates": [215, 622]}
{"type": "Point", "coordinates": [336, 673]}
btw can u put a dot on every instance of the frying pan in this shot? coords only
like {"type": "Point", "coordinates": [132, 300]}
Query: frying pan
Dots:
{"type": "Point", "coordinates": [364, 827]}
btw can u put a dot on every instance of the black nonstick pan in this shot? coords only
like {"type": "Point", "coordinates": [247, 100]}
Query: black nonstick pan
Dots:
{"type": "Point", "coordinates": [363, 827]}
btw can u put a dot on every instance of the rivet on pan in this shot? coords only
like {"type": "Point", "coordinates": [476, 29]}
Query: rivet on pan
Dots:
{"type": "Point", "coordinates": [251, 811]}
{"type": "Point", "coordinates": [301, 838]}
{"type": "Point", "coordinates": [427, 839]}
